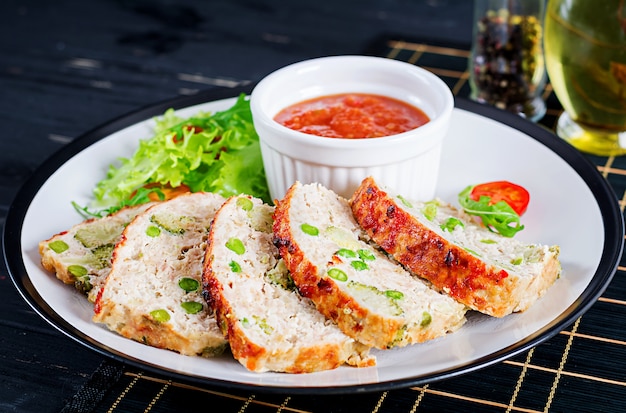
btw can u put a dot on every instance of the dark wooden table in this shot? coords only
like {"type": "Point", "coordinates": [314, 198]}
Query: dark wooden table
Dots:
{"type": "Point", "coordinates": [67, 66]}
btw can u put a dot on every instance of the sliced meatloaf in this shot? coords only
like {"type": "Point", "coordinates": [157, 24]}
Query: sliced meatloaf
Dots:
{"type": "Point", "coordinates": [370, 297]}
{"type": "Point", "coordinates": [81, 256]}
{"type": "Point", "coordinates": [479, 268]}
{"type": "Point", "coordinates": [269, 325]}
{"type": "Point", "coordinates": [153, 293]}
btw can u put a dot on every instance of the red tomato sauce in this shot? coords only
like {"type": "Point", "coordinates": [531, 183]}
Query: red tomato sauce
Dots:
{"type": "Point", "coordinates": [352, 115]}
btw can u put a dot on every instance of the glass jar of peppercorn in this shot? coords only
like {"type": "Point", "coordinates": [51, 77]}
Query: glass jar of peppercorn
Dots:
{"type": "Point", "coordinates": [507, 68]}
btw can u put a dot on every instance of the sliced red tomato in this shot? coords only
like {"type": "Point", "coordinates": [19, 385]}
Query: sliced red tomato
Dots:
{"type": "Point", "coordinates": [516, 196]}
{"type": "Point", "coordinates": [195, 129]}
{"type": "Point", "coordinates": [169, 191]}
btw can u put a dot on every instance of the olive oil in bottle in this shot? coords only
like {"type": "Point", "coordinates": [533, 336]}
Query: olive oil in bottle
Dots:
{"type": "Point", "coordinates": [585, 48]}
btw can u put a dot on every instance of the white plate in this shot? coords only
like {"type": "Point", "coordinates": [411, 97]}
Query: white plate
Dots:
{"type": "Point", "coordinates": [571, 206]}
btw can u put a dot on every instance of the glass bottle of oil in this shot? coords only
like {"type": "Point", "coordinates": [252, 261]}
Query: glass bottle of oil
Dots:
{"type": "Point", "coordinates": [585, 44]}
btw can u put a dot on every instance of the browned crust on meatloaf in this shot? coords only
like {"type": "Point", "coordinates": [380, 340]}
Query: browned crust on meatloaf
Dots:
{"type": "Point", "coordinates": [144, 329]}
{"type": "Point", "coordinates": [354, 320]}
{"type": "Point", "coordinates": [246, 352]}
{"type": "Point", "coordinates": [448, 267]}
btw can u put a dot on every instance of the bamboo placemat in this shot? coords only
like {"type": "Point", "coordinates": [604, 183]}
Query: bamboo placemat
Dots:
{"type": "Point", "coordinates": [581, 369]}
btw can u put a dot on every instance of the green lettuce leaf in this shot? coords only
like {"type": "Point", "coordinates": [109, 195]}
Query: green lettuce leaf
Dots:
{"type": "Point", "coordinates": [217, 152]}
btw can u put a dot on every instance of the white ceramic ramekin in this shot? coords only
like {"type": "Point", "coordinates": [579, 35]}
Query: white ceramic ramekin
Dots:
{"type": "Point", "coordinates": [407, 162]}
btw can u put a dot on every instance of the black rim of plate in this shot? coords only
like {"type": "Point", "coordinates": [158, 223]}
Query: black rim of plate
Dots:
{"type": "Point", "coordinates": [611, 215]}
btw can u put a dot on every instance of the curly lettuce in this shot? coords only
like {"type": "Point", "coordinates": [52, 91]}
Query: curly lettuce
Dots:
{"type": "Point", "coordinates": [213, 152]}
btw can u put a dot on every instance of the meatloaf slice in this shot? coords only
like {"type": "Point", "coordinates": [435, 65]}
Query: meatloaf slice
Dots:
{"type": "Point", "coordinates": [153, 293]}
{"type": "Point", "coordinates": [370, 297]}
{"type": "Point", "coordinates": [269, 325]}
{"type": "Point", "coordinates": [434, 240]}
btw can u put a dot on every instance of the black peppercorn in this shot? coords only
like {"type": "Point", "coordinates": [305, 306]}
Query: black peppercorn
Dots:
{"type": "Point", "coordinates": [507, 60]}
